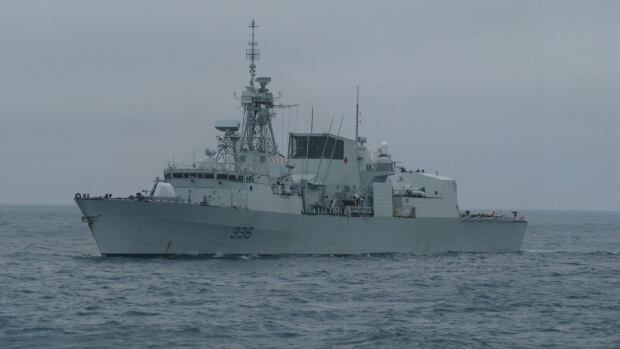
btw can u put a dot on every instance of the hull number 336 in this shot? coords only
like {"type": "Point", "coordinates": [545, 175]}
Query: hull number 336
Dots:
{"type": "Point", "coordinates": [241, 232]}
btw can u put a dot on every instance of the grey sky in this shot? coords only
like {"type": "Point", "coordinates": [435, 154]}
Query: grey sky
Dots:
{"type": "Point", "coordinates": [517, 100]}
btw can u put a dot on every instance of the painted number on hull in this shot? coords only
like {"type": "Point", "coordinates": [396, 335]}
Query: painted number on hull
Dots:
{"type": "Point", "coordinates": [241, 232]}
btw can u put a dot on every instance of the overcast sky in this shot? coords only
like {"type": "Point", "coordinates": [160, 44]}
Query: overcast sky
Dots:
{"type": "Point", "coordinates": [517, 100]}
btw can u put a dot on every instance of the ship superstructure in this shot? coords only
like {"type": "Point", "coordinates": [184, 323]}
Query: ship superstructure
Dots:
{"type": "Point", "coordinates": [329, 194]}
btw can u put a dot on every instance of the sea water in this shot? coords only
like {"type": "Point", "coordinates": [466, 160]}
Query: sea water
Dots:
{"type": "Point", "coordinates": [561, 291]}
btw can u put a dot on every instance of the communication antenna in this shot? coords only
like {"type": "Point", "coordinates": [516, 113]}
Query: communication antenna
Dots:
{"type": "Point", "coordinates": [329, 132]}
{"type": "Point", "coordinates": [357, 115]}
{"type": "Point", "coordinates": [312, 119]}
{"type": "Point", "coordinates": [252, 54]}
{"type": "Point", "coordinates": [329, 163]}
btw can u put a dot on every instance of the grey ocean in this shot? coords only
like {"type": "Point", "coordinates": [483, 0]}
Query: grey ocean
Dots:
{"type": "Point", "coordinates": [562, 290]}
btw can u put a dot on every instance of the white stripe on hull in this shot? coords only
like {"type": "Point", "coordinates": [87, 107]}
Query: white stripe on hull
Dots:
{"type": "Point", "coordinates": [129, 227]}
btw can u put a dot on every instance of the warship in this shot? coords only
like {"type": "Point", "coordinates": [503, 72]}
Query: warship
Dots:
{"type": "Point", "coordinates": [328, 195]}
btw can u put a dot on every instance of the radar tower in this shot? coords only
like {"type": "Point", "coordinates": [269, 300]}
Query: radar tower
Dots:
{"type": "Point", "coordinates": [257, 101]}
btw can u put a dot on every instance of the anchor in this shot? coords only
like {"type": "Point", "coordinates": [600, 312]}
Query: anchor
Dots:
{"type": "Point", "coordinates": [90, 220]}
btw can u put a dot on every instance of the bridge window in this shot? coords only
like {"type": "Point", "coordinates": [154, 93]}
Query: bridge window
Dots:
{"type": "Point", "coordinates": [177, 175]}
{"type": "Point", "coordinates": [209, 175]}
{"type": "Point", "coordinates": [316, 147]}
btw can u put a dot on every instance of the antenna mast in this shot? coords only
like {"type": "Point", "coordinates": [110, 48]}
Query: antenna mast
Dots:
{"type": "Point", "coordinates": [357, 115]}
{"type": "Point", "coordinates": [252, 54]}
{"type": "Point", "coordinates": [311, 119]}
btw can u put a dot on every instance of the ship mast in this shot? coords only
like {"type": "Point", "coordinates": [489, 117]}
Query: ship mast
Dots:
{"type": "Point", "coordinates": [257, 132]}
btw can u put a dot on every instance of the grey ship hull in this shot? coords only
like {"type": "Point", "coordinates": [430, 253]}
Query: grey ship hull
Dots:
{"type": "Point", "coordinates": [129, 227]}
